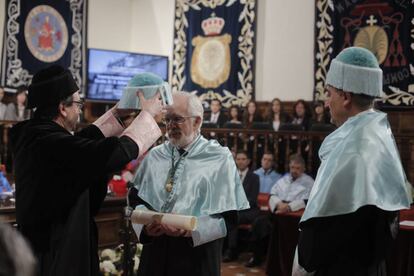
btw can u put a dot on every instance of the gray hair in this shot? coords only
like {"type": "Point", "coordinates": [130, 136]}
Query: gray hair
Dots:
{"type": "Point", "coordinates": [16, 258]}
{"type": "Point", "coordinates": [195, 107]}
{"type": "Point", "coordinates": [298, 159]}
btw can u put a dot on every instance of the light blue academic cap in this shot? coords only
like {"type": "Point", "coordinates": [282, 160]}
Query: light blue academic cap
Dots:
{"type": "Point", "coordinates": [149, 84]}
{"type": "Point", "coordinates": [145, 79]}
{"type": "Point", "coordinates": [356, 70]}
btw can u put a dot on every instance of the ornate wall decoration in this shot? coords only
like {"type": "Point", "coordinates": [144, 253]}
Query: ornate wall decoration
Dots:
{"type": "Point", "coordinates": [41, 33]}
{"type": "Point", "coordinates": [213, 53]}
{"type": "Point", "coordinates": [386, 28]}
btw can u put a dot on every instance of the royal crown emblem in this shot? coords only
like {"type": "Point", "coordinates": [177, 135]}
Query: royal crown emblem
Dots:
{"type": "Point", "coordinates": [212, 26]}
{"type": "Point", "coordinates": [210, 63]}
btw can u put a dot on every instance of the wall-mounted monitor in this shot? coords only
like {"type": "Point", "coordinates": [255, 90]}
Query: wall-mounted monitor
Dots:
{"type": "Point", "coordinates": [109, 72]}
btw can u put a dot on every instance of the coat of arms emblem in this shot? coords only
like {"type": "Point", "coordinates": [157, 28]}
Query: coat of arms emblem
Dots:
{"type": "Point", "coordinates": [210, 62]}
{"type": "Point", "coordinates": [46, 33]}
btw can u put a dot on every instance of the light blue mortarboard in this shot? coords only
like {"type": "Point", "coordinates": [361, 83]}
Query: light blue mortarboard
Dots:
{"type": "Point", "coordinates": [148, 84]}
{"type": "Point", "coordinates": [356, 70]}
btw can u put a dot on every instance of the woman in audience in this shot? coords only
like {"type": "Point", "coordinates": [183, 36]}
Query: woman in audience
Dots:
{"type": "Point", "coordinates": [234, 115]}
{"type": "Point", "coordinates": [320, 114]}
{"type": "Point", "coordinates": [277, 115]}
{"type": "Point", "coordinates": [301, 114]}
{"type": "Point", "coordinates": [17, 110]}
{"type": "Point", "coordinates": [251, 114]}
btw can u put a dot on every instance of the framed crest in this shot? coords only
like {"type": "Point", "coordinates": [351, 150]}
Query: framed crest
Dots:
{"type": "Point", "coordinates": [41, 33]}
{"type": "Point", "coordinates": [214, 49]}
{"type": "Point", "coordinates": [386, 28]}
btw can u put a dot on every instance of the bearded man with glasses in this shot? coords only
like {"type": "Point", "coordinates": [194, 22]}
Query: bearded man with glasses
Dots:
{"type": "Point", "coordinates": [61, 177]}
{"type": "Point", "coordinates": [187, 175]}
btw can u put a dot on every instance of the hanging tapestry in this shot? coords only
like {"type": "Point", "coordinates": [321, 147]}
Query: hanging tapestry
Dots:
{"type": "Point", "coordinates": [213, 55]}
{"type": "Point", "coordinates": [39, 33]}
{"type": "Point", "coordinates": [386, 28]}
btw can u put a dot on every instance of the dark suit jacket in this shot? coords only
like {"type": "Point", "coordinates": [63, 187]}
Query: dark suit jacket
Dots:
{"type": "Point", "coordinates": [251, 185]}
{"type": "Point", "coordinates": [222, 118]}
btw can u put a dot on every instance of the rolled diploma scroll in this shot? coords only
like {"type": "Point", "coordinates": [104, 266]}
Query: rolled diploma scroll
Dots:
{"type": "Point", "coordinates": [178, 221]}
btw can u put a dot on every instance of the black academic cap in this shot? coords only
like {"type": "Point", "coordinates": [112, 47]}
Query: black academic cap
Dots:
{"type": "Point", "coordinates": [50, 86]}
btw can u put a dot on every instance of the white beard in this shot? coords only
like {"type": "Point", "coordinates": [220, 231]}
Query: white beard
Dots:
{"type": "Point", "coordinates": [183, 141]}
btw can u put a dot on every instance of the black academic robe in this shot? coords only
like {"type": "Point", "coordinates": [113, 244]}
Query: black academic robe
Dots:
{"type": "Point", "coordinates": [61, 182]}
{"type": "Point", "coordinates": [354, 244]}
{"type": "Point", "coordinates": [171, 256]}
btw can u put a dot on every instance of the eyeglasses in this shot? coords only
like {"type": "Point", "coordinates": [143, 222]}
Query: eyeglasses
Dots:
{"type": "Point", "coordinates": [176, 120]}
{"type": "Point", "coordinates": [80, 104]}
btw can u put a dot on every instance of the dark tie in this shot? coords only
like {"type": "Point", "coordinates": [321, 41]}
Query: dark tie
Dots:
{"type": "Point", "coordinates": [181, 151]}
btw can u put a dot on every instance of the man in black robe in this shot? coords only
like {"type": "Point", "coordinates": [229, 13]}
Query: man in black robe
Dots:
{"type": "Point", "coordinates": [61, 177]}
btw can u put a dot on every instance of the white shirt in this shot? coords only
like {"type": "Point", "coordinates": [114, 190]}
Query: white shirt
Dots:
{"type": "Point", "coordinates": [214, 117]}
{"type": "Point", "coordinates": [243, 174]}
{"type": "Point", "coordinates": [293, 192]}
{"type": "Point", "coordinates": [276, 125]}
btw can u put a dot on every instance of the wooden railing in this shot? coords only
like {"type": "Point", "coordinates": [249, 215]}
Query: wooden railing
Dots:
{"type": "Point", "coordinates": [256, 142]}
{"type": "Point", "coordinates": [282, 144]}
{"type": "Point", "coordinates": [304, 142]}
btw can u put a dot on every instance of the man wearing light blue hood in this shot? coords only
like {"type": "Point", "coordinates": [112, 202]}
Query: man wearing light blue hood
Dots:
{"type": "Point", "coordinates": [187, 175]}
{"type": "Point", "coordinates": [352, 214]}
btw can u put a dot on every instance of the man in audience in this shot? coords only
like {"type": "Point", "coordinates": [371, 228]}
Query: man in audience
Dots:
{"type": "Point", "coordinates": [352, 214]}
{"type": "Point", "coordinates": [187, 175]}
{"type": "Point", "coordinates": [251, 185]}
{"type": "Point", "coordinates": [268, 176]}
{"type": "Point", "coordinates": [288, 194]}
{"type": "Point", "coordinates": [61, 178]}
{"type": "Point", "coordinates": [216, 116]}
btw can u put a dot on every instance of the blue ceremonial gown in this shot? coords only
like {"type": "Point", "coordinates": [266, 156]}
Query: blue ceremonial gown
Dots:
{"type": "Point", "coordinates": [352, 211]}
{"type": "Point", "coordinates": [206, 185]}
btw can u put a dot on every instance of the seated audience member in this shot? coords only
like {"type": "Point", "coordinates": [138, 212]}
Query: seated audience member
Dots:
{"type": "Point", "coordinates": [234, 115]}
{"type": "Point", "coordinates": [251, 114]}
{"type": "Point", "coordinates": [217, 116]}
{"type": "Point", "coordinates": [320, 114]}
{"type": "Point", "coordinates": [3, 106]}
{"type": "Point", "coordinates": [16, 258]}
{"type": "Point", "coordinates": [288, 194]}
{"type": "Point", "coordinates": [277, 115]}
{"type": "Point", "coordinates": [251, 187]}
{"type": "Point", "coordinates": [301, 114]}
{"type": "Point", "coordinates": [17, 110]}
{"type": "Point", "coordinates": [268, 176]}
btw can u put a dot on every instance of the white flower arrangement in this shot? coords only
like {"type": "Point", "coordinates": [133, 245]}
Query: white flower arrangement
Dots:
{"type": "Point", "coordinates": [111, 260]}
{"type": "Point", "coordinates": [107, 267]}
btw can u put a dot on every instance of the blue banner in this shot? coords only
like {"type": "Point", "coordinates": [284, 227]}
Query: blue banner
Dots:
{"type": "Point", "coordinates": [386, 28]}
{"type": "Point", "coordinates": [214, 49]}
{"type": "Point", "coordinates": [39, 33]}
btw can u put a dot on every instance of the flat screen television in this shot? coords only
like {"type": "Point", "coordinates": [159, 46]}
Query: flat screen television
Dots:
{"type": "Point", "coordinates": [109, 72]}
